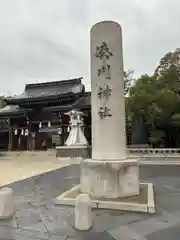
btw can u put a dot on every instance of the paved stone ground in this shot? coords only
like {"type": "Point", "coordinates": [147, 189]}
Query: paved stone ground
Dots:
{"type": "Point", "coordinates": [36, 217]}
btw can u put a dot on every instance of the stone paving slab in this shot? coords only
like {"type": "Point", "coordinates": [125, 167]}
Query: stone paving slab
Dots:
{"type": "Point", "coordinates": [93, 236]}
{"type": "Point", "coordinates": [126, 233]}
{"type": "Point", "coordinates": [57, 237]}
{"type": "Point", "coordinates": [36, 216]}
{"type": "Point", "coordinates": [166, 234]}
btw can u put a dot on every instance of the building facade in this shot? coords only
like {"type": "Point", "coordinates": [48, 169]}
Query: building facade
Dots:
{"type": "Point", "coordinates": [35, 119]}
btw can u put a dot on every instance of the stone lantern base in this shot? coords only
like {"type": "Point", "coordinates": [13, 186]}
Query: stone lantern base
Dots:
{"type": "Point", "coordinates": [65, 153]}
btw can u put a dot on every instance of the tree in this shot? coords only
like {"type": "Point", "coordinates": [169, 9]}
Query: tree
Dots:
{"type": "Point", "coordinates": [170, 60]}
{"type": "Point", "coordinates": [142, 101]}
{"type": "Point", "coordinates": [156, 99]}
{"type": "Point", "coordinates": [141, 95]}
{"type": "Point", "coordinates": [128, 80]}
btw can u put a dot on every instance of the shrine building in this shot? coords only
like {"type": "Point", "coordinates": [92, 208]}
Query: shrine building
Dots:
{"type": "Point", "coordinates": [35, 119]}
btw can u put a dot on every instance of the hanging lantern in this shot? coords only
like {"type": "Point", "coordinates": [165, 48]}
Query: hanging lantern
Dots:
{"type": "Point", "coordinates": [49, 124]}
{"type": "Point", "coordinates": [40, 125]}
{"type": "Point", "coordinates": [27, 120]}
{"type": "Point", "coordinates": [22, 132]}
{"type": "Point", "coordinates": [16, 132]}
{"type": "Point", "coordinates": [26, 132]}
{"type": "Point", "coordinates": [33, 134]}
{"type": "Point", "coordinates": [59, 131]}
{"type": "Point", "coordinates": [60, 117]}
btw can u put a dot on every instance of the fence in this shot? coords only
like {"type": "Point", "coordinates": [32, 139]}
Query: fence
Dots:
{"type": "Point", "coordinates": [154, 153]}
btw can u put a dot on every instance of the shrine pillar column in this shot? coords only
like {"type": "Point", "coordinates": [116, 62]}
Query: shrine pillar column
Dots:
{"type": "Point", "coordinates": [10, 139]}
{"type": "Point", "coordinates": [33, 134]}
{"type": "Point", "coordinates": [28, 142]}
{"type": "Point", "coordinates": [62, 132]}
{"type": "Point", "coordinates": [27, 134]}
{"type": "Point", "coordinates": [19, 142]}
{"type": "Point", "coordinates": [10, 135]}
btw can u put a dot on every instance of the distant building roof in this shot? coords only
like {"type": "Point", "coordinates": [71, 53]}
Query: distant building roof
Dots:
{"type": "Point", "coordinates": [82, 102]}
{"type": "Point", "coordinates": [48, 90]}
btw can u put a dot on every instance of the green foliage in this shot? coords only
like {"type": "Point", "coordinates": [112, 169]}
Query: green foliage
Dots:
{"type": "Point", "coordinates": [156, 138]}
{"type": "Point", "coordinates": [176, 120]}
{"type": "Point", "coordinates": [128, 80]}
{"type": "Point", "coordinates": [156, 99]}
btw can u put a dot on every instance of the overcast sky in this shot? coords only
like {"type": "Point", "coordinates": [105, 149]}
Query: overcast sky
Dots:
{"type": "Point", "coordinates": [44, 40]}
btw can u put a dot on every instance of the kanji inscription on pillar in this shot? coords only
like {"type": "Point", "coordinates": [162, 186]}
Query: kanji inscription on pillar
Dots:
{"type": "Point", "coordinates": [104, 92]}
{"type": "Point", "coordinates": [104, 54]}
{"type": "Point", "coordinates": [104, 112]}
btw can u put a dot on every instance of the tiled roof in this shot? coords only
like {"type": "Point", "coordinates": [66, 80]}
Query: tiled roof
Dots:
{"type": "Point", "coordinates": [80, 103]}
{"type": "Point", "coordinates": [85, 100]}
{"type": "Point", "coordinates": [53, 83]}
{"type": "Point", "coordinates": [49, 90]}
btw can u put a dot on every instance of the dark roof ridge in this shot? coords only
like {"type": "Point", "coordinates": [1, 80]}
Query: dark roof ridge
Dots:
{"type": "Point", "coordinates": [54, 83]}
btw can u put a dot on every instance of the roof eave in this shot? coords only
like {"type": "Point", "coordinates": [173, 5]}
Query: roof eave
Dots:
{"type": "Point", "coordinates": [7, 114]}
{"type": "Point", "coordinates": [15, 101]}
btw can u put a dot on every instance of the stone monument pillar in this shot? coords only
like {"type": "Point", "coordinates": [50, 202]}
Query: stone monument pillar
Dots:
{"type": "Point", "coordinates": [109, 174]}
{"type": "Point", "coordinates": [107, 95]}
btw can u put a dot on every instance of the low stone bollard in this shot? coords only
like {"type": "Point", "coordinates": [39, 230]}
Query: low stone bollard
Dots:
{"type": "Point", "coordinates": [6, 203]}
{"type": "Point", "coordinates": [83, 213]}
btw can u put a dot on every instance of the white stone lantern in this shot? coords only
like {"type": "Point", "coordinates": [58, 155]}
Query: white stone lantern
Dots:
{"type": "Point", "coordinates": [76, 135]}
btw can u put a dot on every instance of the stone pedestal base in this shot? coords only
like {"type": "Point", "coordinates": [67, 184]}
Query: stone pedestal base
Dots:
{"type": "Point", "coordinates": [144, 202]}
{"type": "Point", "coordinates": [112, 185]}
{"type": "Point", "coordinates": [74, 151]}
{"type": "Point", "coordinates": [110, 179]}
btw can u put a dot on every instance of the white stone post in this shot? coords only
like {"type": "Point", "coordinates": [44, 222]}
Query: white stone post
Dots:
{"type": "Point", "coordinates": [83, 214]}
{"type": "Point", "coordinates": [6, 203]}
